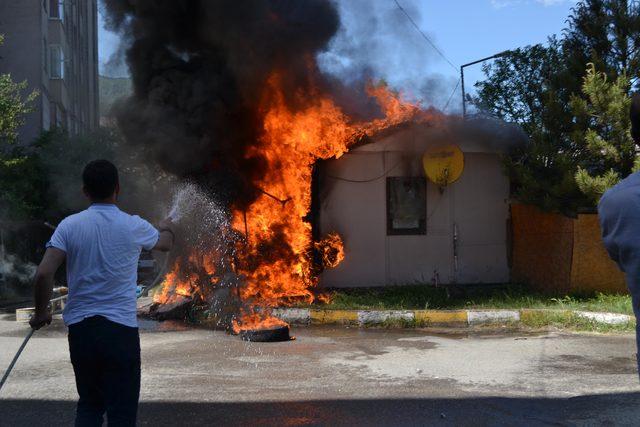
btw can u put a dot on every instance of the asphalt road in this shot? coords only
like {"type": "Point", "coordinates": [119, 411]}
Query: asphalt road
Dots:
{"type": "Point", "coordinates": [343, 377]}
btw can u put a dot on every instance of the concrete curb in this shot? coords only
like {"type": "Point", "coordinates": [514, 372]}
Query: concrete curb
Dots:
{"type": "Point", "coordinates": [451, 318]}
{"type": "Point", "coordinates": [608, 318]}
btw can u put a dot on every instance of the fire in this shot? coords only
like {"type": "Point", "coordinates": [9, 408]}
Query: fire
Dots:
{"type": "Point", "coordinates": [170, 288]}
{"type": "Point", "coordinates": [395, 110]}
{"type": "Point", "coordinates": [176, 285]}
{"type": "Point", "coordinates": [275, 259]}
{"type": "Point", "coordinates": [256, 321]}
{"type": "Point", "coordinates": [332, 250]}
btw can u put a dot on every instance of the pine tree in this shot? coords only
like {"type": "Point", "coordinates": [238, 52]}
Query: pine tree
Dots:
{"type": "Point", "coordinates": [549, 172]}
{"type": "Point", "coordinates": [603, 132]}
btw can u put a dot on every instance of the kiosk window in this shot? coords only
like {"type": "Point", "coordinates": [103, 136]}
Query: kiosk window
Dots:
{"type": "Point", "coordinates": [406, 205]}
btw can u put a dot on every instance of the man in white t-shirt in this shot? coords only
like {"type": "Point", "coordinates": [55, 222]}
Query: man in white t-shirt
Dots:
{"type": "Point", "coordinates": [101, 246]}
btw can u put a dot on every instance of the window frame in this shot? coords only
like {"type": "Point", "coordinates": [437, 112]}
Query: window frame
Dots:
{"type": "Point", "coordinates": [421, 230]}
{"type": "Point", "coordinates": [52, 63]}
{"type": "Point", "coordinates": [59, 10]}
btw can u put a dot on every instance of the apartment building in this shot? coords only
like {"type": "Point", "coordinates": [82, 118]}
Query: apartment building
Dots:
{"type": "Point", "coordinates": [53, 45]}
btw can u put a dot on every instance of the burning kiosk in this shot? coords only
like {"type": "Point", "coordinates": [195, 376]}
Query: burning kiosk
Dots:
{"type": "Point", "coordinates": [368, 217]}
{"type": "Point", "coordinates": [399, 227]}
{"type": "Point", "coordinates": [267, 250]}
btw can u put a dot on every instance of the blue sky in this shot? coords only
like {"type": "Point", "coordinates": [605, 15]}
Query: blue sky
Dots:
{"type": "Point", "coordinates": [467, 30]}
{"type": "Point", "coordinates": [377, 34]}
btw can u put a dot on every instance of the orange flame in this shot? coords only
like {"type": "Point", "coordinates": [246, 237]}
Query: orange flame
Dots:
{"type": "Point", "coordinates": [256, 321]}
{"type": "Point", "coordinates": [175, 285]}
{"type": "Point", "coordinates": [276, 258]}
{"type": "Point", "coordinates": [332, 250]}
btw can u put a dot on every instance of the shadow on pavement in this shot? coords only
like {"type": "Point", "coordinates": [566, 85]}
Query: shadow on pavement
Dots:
{"type": "Point", "coordinates": [607, 409]}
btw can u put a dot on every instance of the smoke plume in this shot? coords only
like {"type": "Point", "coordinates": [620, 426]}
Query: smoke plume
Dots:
{"type": "Point", "coordinates": [377, 42]}
{"type": "Point", "coordinates": [198, 69]}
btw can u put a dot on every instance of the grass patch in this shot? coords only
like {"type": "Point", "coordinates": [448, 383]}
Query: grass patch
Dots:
{"type": "Point", "coordinates": [568, 320]}
{"type": "Point", "coordinates": [426, 297]}
{"type": "Point", "coordinates": [402, 323]}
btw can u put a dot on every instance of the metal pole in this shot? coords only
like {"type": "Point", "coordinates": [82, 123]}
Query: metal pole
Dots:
{"type": "Point", "coordinates": [15, 358]}
{"type": "Point", "coordinates": [464, 101]}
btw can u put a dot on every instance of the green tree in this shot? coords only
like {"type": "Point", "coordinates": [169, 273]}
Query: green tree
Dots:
{"type": "Point", "coordinates": [62, 158]}
{"type": "Point", "coordinates": [605, 33]}
{"type": "Point", "coordinates": [527, 87]}
{"type": "Point", "coordinates": [13, 107]}
{"type": "Point", "coordinates": [536, 87]}
{"type": "Point", "coordinates": [604, 130]}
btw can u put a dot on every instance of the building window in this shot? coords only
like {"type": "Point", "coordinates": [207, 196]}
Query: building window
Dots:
{"type": "Point", "coordinates": [56, 62]}
{"type": "Point", "coordinates": [406, 205]}
{"type": "Point", "coordinates": [56, 9]}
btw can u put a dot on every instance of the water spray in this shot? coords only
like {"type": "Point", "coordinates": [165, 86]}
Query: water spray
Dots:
{"type": "Point", "coordinates": [183, 200]}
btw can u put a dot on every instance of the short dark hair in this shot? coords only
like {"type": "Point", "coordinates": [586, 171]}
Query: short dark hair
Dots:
{"type": "Point", "coordinates": [100, 179]}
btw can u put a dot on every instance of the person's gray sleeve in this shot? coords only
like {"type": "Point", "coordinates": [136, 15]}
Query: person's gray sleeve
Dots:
{"type": "Point", "coordinates": [145, 235]}
{"type": "Point", "coordinates": [608, 237]}
{"type": "Point", "coordinates": [60, 237]}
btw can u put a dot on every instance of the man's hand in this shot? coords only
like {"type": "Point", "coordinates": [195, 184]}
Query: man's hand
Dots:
{"type": "Point", "coordinates": [166, 224]}
{"type": "Point", "coordinates": [39, 320]}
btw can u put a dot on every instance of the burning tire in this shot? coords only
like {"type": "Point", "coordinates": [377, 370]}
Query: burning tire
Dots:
{"type": "Point", "coordinates": [275, 334]}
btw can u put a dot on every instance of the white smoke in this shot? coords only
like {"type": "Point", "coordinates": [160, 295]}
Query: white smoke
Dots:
{"type": "Point", "coordinates": [12, 269]}
{"type": "Point", "coordinates": [376, 41]}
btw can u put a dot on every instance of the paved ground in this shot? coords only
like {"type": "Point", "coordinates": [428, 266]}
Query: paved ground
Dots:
{"type": "Point", "coordinates": [344, 377]}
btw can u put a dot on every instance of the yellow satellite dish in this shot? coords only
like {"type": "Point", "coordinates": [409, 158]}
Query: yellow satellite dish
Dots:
{"type": "Point", "coordinates": [443, 164]}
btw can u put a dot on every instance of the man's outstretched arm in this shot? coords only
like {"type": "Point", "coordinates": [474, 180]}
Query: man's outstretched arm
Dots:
{"type": "Point", "coordinates": [43, 285]}
{"type": "Point", "coordinates": [167, 236]}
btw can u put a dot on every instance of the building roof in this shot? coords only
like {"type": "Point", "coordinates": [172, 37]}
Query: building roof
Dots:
{"type": "Point", "coordinates": [477, 135]}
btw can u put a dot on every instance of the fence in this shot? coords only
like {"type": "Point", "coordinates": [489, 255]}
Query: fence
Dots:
{"type": "Point", "coordinates": [557, 254]}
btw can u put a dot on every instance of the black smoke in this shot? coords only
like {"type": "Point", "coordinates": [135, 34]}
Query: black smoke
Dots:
{"type": "Point", "coordinates": [199, 68]}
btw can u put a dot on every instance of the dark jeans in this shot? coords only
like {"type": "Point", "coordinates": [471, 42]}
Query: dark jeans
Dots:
{"type": "Point", "coordinates": [106, 360]}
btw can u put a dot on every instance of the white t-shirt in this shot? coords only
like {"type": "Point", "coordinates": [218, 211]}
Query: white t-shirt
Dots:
{"type": "Point", "coordinates": [103, 245]}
